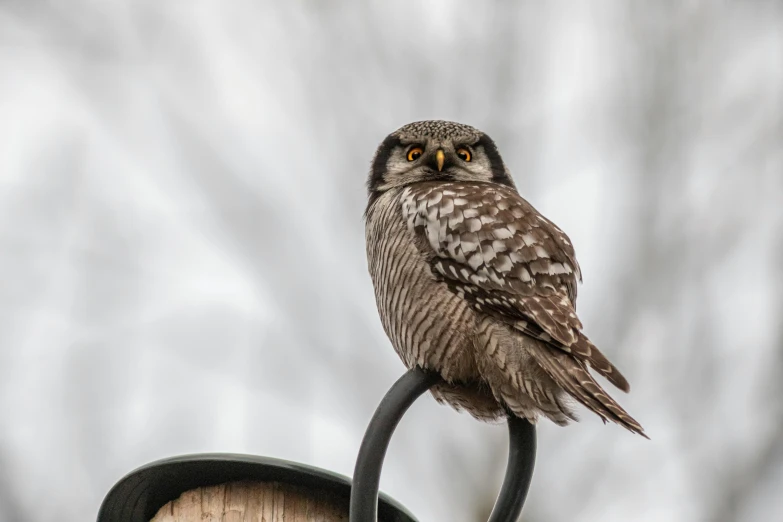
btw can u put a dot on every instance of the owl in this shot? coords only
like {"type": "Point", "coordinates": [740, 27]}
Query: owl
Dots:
{"type": "Point", "coordinates": [475, 284]}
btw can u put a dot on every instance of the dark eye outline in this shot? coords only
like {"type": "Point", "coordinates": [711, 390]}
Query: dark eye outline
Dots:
{"type": "Point", "coordinates": [464, 154]}
{"type": "Point", "coordinates": [417, 151]}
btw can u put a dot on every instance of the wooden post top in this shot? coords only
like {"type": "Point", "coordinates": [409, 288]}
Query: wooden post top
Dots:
{"type": "Point", "coordinates": [254, 501]}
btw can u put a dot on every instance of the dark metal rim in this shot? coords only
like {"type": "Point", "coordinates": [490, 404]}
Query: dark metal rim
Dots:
{"type": "Point", "coordinates": [139, 495]}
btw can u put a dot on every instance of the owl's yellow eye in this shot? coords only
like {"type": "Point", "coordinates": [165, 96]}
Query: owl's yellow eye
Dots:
{"type": "Point", "coordinates": [463, 154]}
{"type": "Point", "coordinates": [415, 153]}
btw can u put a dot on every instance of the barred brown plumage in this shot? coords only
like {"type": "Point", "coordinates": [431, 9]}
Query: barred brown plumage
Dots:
{"type": "Point", "coordinates": [472, 282]}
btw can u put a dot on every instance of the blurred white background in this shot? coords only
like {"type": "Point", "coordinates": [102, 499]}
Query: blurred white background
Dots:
{"type": "Point", "coordinates": [183, 267]}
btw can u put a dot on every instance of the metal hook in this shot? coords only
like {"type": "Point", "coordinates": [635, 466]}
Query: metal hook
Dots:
{"type": "Point", "coordinates": [404, 392]}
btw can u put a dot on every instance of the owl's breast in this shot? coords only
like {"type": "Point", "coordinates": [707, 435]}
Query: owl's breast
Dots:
{"type": "Point", "coordinates": [428, 325]}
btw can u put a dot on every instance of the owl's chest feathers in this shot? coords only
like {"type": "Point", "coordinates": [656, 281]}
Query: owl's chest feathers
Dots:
{"type": "Point", "coordinates": [428, 325]}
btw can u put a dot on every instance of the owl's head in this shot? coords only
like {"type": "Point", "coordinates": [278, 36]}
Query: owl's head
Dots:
{"type": "Point", "coordinates": [435, 150]}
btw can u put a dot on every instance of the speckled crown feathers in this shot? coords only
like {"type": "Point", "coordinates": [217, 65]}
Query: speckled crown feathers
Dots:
{"type": "Point", "coordinates": [438, 129]}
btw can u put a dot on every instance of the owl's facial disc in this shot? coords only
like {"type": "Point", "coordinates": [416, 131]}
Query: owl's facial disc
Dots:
{"type": "Point", "coordinates": [428, 159]}
{"type": "Point", "coordinates": [435, 151]}
{"type": "Point", "coordinates": [435, 159]}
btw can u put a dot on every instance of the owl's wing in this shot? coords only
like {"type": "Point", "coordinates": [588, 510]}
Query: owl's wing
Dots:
{"type": "Point", "coordinates": [496, 251]}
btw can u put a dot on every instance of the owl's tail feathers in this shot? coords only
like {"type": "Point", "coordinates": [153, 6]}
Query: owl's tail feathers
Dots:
{"type": "Point", "coordinates": [537, 402]}
{"type": "Point", "coordinates": [586, 351]}
{"type": "Point", "coordinates": [572, 375]}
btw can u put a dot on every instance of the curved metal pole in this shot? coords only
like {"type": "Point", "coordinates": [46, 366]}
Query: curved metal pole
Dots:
{"type": "Point", "coordinates": [367, 473]}
{"type": "Point", "coordinates": [519, 472]}
{"type": "Point", "coordinates": [404, 392]}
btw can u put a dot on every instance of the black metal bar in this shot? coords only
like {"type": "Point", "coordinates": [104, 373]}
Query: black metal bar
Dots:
{"type": "Point", "coordinates": [404, 392]}
{"type": "Point", "coordinates": [519, 472]}
{"type": "Point", "coordinates": [367, 473]}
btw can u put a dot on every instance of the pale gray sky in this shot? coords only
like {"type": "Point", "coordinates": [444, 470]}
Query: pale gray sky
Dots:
{"type": "Point", "coordinates": [181, 192]}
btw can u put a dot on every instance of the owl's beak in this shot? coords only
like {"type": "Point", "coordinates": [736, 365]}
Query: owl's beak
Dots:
{"type": "Point", "coordinates": [440, 157]}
